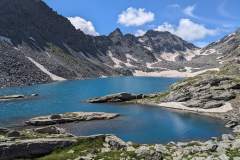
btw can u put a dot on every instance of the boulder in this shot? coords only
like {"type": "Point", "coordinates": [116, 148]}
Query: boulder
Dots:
{"type": "Point", "coordinates": [214, 81]}
{"type": "Point", "coordinates": [194, 103]}
{"type": "Point", "coordinates": [115, 142]}
{"type": "Point", "coordinates": [70, 117]}
{"type": "Point", "coordinates": [4, 131]}
{"type": "Point", "coordinates": [13, 134]}
{"type": "Point", "coordinates": [223, 157]}
{"type": "Point", "coordinates": [236, 129]}
{"type": "Point", "coordinates": [227, 137]}
{"type": "Point", "coordinates": [56, 116]}
{"type": "Point", "coordinates": [231, 124]}
{"type": "Point", "coordinates": [212, 104]}
{"type": "Point", "coordinates": [160, 148]}
{"type": "Point", "coordinates": [142, 151]}
{"type": "Point", "coordinates": [236, 144]}
{"type": "Point", "coordinates": [211, 145]}
{"type": "Point", "coordinates": [33, 148]}
{"type": "Point", "coordinates": [179, 96]}
{"type": "Point", "coordinates": [225, 96]}
{"type": "Point", "coordinates": [49, 130]}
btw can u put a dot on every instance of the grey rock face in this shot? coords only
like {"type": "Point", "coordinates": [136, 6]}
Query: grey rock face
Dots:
{"type": "Point", "coordinates": [13, 134]}
{"type": "Point", "coordinates": [70, 117]}
{"type": "Point", "coordinates": [118, 97]}
{"type": "Point", "coordinates": [205, 91]}
{"type": "Point", "coordinates": [212, 104]}
{"type": "Point", "coordinates": [4, 130]}
{"type": "Point", "coordinates": [49, 130]}
{"type": "Point", "coordinates": [115, 142]}
{"type": "Point", "coordinates": [231, 124]}
{"type": "Point", "coordinates": [31, 148]}
{"type": "Point", "coordinates": [236, 129]}
{"type": "Point", "coordinates": [227, 137]}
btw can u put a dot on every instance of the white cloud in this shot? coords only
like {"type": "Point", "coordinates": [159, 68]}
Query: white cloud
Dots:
{"type": "Point", "coordinates": [189, 10]}
{"type": "Point", "coordinates": [135, 17]}
{"type": "Point", "coordinates": [84, 25]}
{"type": "Point", "coordinates": [188, 30]}
{"type": "Point", "coordinates": [140, 33]}
{"type": "Point", "coordinates": [166, 27]}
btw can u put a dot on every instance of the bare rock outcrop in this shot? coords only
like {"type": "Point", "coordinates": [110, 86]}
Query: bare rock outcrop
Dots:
{"type": "Point", "coordinates": [32, 148]}
{"type": "Point", "coordinates": [70, 117]}
{"type": "Point", "coordinates": [118, 97]}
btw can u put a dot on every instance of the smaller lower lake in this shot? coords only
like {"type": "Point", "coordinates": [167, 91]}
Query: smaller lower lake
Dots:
{"type": "Point", "coordinates": [137, 123]}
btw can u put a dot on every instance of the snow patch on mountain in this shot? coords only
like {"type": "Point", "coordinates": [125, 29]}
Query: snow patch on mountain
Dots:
{"type": "Point", "coordinates": [131, 57]}
{"type": "Point", "coordinates": [148, 48]}
{"type": "Point", "coordinates": [120, 64]}
{"type": "Point", "coordinates": [43, 69]}
{"type": "Point", "coordinates": [169, 56]}
{"type": "Point", "coordinates": [190, 54]}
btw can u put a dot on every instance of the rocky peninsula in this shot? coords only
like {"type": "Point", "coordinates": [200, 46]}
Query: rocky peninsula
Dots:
{"type": "Point", "coordinates": [214, 93]}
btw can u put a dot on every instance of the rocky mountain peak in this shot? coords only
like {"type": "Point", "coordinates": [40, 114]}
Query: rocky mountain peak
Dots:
{"type": "Point", "coordinates": [116, 32]}
{"type": "Point", "coordinates": [153, 33]}
{"type": "Point", "coordinates": [116, 35]}
{"type": "Point", "coordinates": [165, 42]}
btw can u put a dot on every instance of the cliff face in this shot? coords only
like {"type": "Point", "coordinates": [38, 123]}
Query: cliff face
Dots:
{"type": "Point", "coordinates": [29, 28]}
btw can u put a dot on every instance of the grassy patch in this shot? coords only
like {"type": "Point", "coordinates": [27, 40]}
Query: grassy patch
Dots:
{"type": "Point", "coordinates": [233, 153]}
{"type": "Point", "coordinates": [82, 148]}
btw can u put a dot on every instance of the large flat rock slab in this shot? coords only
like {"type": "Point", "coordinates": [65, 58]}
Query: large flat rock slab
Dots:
{"type": "Point", "coordinates": [32, 148]}
{"type": "Point", "coordinates": [70, 117]}
{"type": "Point", "coordinates": [118, 97]}
{"type": "Point", "coordinates": [16, 97]}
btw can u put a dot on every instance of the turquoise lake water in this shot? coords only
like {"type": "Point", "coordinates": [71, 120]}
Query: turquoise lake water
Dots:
{"type": "Point", "coordinates": [137, 123]}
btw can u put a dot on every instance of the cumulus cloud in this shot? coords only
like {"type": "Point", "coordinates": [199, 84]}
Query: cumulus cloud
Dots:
{"type": "Point", "coordinates": [188, 30]}
{"type": "Point", "coordinates": [140, 32]}
{"type": "Point", "coordinates": [189, 10]}
{"type": "Point", "coordinates": [135, 17]}
{"type": "Point", "coordinates": [84, 25]}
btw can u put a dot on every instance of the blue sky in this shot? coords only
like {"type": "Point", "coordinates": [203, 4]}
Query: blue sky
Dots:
{"type": "Point", "coordinates": [198, 21]}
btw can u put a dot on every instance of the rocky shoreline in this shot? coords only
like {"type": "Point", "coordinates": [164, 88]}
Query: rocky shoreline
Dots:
{"type": "Point", "coordinates": [52, 143]}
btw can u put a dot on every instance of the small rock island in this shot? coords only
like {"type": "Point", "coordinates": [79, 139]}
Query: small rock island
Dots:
{"type": "Point", "coordinates": [70, 117]}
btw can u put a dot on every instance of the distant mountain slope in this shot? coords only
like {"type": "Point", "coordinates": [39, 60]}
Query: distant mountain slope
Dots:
{"type": "Point", "coordinates": [29, 28]}
{"type": "Point", "coordinates": [37, 44]}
